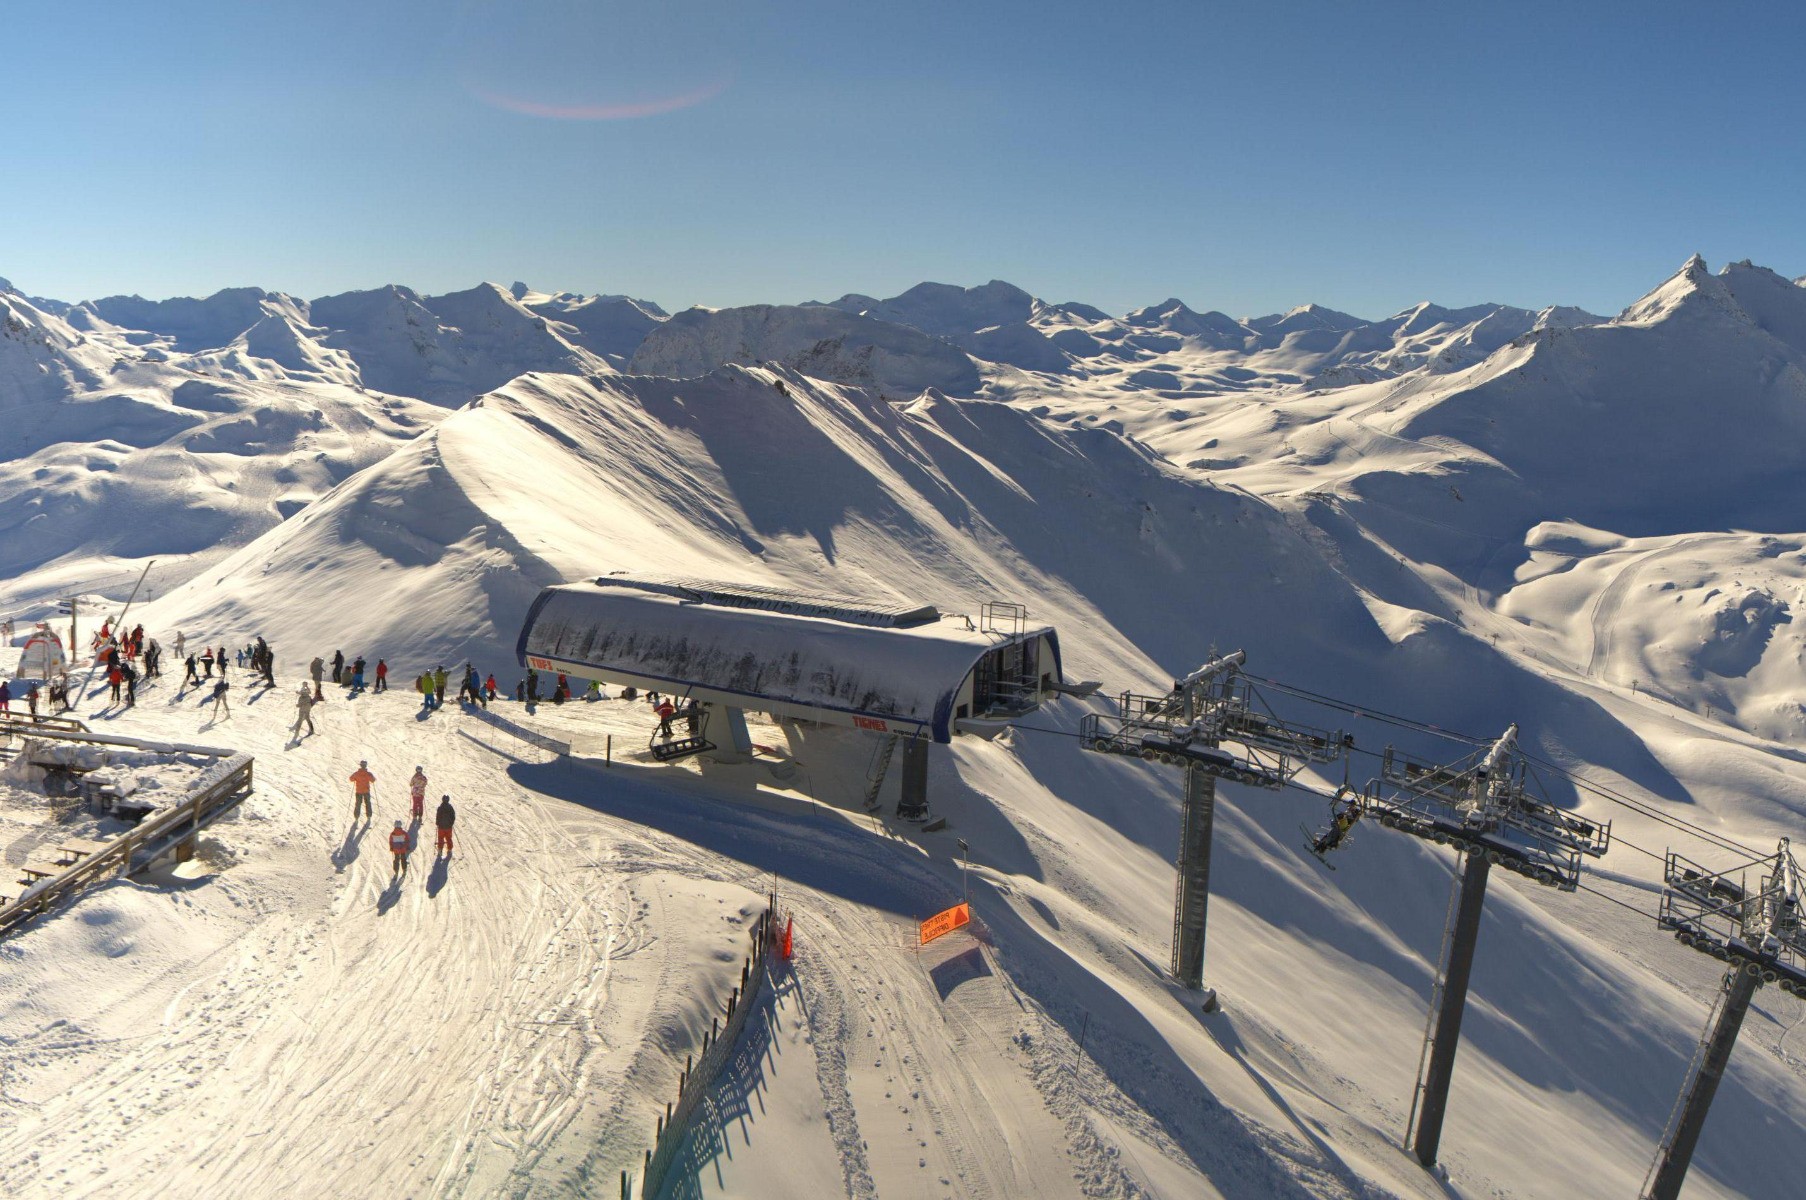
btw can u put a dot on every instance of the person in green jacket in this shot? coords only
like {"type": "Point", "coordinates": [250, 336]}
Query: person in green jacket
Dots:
{"type": "Point", "coordinates": [438, 687]}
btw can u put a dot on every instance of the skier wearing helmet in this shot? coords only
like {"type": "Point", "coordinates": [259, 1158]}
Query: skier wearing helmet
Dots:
{"type": "Point", "coordinates": [399, 842]}
{"type": "Point", "coordinates": [361, 781]}
{"type": "Point", "coordinates": [417, 786]}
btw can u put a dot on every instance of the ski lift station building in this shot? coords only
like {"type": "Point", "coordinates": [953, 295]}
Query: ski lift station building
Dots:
{"type": "Point", "coordinates": [889, 668]}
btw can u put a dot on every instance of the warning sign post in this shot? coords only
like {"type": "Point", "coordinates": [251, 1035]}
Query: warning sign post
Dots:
{"type": "Point", "coordinates": [945, 922]}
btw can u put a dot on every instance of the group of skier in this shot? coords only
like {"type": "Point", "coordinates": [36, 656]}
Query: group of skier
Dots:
{"type": "Point", "coordinates": [401, 838]}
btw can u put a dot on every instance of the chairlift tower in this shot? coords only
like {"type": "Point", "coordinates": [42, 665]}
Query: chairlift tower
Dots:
{"type": "Point", "coordinates": [1760, 933]}
{"type": "Point", "coordinates": [1189, 727]}
{"type": "Point", "coordinates": [1484, 806]}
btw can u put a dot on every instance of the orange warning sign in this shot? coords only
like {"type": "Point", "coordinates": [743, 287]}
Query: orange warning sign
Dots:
{"type": "Point", "coordinates": [945, 922]}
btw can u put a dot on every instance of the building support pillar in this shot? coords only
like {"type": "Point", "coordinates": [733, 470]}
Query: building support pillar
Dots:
{"type": "Point", "coordinates": [733, 744]}
{"type": "Point", "coordinates": [912, 805]}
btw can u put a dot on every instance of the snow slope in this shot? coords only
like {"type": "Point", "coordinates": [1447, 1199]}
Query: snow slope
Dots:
{"type": "Point", "coordinates": [118, 450]}
{"type": "Point", "coordinates": [1395, 542]}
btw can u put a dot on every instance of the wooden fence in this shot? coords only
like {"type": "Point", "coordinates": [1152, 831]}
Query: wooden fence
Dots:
{"type": "Point", "coordinates": [717, 1047]}
{"type": "Point", "coordinates": [23, 722]}
{"type": "Point", "coordinates": [225, 782]}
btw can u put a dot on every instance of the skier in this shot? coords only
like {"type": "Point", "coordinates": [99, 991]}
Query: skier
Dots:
{"type": "Point", "coordinates": [357, 676]}
{"type": "Point", "coordinates": [382, 676]}
{"type": "Point", "coordinates": [338, 665]}
{"type": "Point", "coordinates": [1344, 815]}
{"type": "Point", "coordinates": [207, 662]}
{"type": "Point", "coordinates": [398, 846]}
{"type": "Point", "coordinates": [219, 699]}
{"type": "Point", "coordinates": [417, 788]}
{"type": "Point", "coordinates": [361, 781]}
{"type": "Point", "coordinates": [304, 709]}
{"type": "Point", "coordinates": [666, 710]}
{"type": "Point", "coordinates": [31, 701]}
{"type": "Point", "coordinates": [267, 662]}
{"type": "Point", "coordinates": [438, 687]}
{"type": "Point", "coordinates": [443, 819]}
{"type": "Point", "coordinates": [317, 668]}
{"type": "Point", "coordinates": [6, 696]}
{"type": "Point", "coordinates": [532, 686]}
{"type": "Point", "coordinates": [488, 690]}
{"type": "Point", "coordinates": [424, 685]}
{"type": "Point", "coordinates": [561, 690]}
{"type": "Point", "coordinates": [115, 679]}
{"type": "Point", "coordinates": [131, 683]}
{"type": "Point", "coordinates": [181, 643]}
{"type": "Point", "coordinates": [191, 676]}
{"type": "Point", "coordinates": [222, 661]}
{"type": "Point", "coordinates": [693, 715]}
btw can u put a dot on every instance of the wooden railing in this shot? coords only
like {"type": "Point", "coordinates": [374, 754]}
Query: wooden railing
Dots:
{"type": "Point", "coordinates": [717, 1047]}
{"type": "Point", "coordinates": [221, 786]}
{"type": "Point", "coordinates": [17, 723]}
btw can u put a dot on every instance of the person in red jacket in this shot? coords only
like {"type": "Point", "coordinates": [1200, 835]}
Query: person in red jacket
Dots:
{"type": "Point", "coordinates": [361, 781]}
{"type": "Point", "coordinates": [666, 710]}
{"type": "Point", "coordinates": [382, 676]}
{"type": "Point", "coordinates": [398, 846]}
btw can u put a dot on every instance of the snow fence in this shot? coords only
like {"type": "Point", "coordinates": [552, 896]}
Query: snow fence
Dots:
{"type": "Point", "coordinates": [717, 1048]}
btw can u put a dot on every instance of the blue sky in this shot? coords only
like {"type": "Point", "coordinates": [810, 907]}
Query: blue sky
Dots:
{"type": "Point", "coordinates": [1244, 157]}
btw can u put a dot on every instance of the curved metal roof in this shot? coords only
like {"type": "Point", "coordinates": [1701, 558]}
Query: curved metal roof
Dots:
{"type": "Point", "coordinates": [895, 674]}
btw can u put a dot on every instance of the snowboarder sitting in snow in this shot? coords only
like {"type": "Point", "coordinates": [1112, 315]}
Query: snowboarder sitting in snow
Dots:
{"type": "Point", "coordinates": [361, 781]}
{"type": "Point", "coordinates": [398, 846]}
{"type": "Point", "coordinates": [444, 818]}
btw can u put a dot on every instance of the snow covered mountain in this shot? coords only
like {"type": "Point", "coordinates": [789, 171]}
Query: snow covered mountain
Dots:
{"type": "Point", "coordinates": [825, 343]}
{"type": "Point", "coordinates": [611, 326]}
{"type": "Point", "coordinates": [1474, 516]}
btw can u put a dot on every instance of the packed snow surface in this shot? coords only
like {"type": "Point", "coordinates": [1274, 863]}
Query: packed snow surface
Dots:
{"type": "Point", "coordinates": [1470, 516]}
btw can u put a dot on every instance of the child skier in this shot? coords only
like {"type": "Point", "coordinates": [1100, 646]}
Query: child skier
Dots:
{"type": "Point", "coordinates": [398, 846]}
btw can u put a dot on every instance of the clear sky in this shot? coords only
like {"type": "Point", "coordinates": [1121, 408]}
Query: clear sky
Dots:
{"type": "Point", "coordinates": [1245, 157]}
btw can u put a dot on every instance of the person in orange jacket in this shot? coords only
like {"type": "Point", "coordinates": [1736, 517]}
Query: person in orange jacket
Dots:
{"type": "Point", "coordinates": [666, 710]}
{"type": "Point", "coordinates": [361, 782]}
{"type": "Point", "coordinates": [399, 842]}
